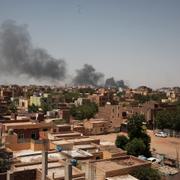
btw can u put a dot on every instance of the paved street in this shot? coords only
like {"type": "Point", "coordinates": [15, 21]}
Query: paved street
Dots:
{"type": "Point", "coordinates": [167, 146]}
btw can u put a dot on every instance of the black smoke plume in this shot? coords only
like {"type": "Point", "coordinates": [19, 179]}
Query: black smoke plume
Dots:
{"type": "Point", "coordinates": [88, 76]}
{"type": "Point", "coordinates": [111, 83]}
{"type": "Point", "coordinates": [19, 57]}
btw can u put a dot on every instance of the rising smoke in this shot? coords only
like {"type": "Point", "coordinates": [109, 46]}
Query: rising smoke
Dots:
{"type": "Point", "coordinates": [19, 57]}
{"type": "Point", "coordinates": [110, 83]}
{"type": "Point", "coordinates": [88, 76]}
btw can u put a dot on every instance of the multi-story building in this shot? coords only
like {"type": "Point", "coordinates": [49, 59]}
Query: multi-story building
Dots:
{"type": "Point", "coordinates": [96, 126]}
{"type": "Point", "coordinates": [36, 100]}
{"type": "Point", "coordinates": [23, 103]}
{"type": "Point", "coordinates": [22, 135]}
{"type": "Point", "coordinates": [114, 114]}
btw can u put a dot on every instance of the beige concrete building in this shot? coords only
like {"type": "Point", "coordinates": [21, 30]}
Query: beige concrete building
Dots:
{"type": "Point", "coordinates": [114, 114]}
{"type": "Point", "coordinates": [117, 114]}
{"type": "Point", "coordinates": [33, 171]}
{"type": "Point", "coordinates": [102, 169]}
{"type": "Point", "coordinates": [96, 126]}
{"type": "Point", "coordinates": [24, 135]}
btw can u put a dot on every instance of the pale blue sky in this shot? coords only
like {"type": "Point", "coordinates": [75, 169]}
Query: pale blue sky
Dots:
{"type": "Point", "coordinates": [134, 40]}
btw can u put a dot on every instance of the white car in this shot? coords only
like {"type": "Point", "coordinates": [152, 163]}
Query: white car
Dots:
{"type": "Point", "coordinates": [161, 134]}
{"type": "Point", "coordinates": [142, 157]}
{"type": "Point", "coordinates": [154, 160]}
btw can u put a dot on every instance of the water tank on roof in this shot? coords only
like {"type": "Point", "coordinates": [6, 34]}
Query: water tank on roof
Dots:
{"type": "Point", "coordinates": [74, 162]}
{"type": "Point", "coordinates": [59, 148]}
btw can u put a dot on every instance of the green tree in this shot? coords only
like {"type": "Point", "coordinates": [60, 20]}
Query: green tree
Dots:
{"type": "Point", "coordinates": [164, 119]}
{"type": "Point", "coordinates": [46, 104]}
{"type": "Point", "coordinates": [158, 96]}
{"type": "Point", "coordinates": [176, 120]}
{"type": "Point", "coordinates": [121, 141]}
{"type": "Point", "coordinates": [147, 141]}
{"type": "Point", "coordinates": [4, 165]}
{"type": "Point", "coordinates": [12, 107]}
{"type": "Point", "coordinates": [33, 108]}
{"type": "Point", "coordinates": [141, 98]}
{"type": "Point", "coordinates": [71, 96]}
{"type": "Point", "coordinates": [146, 173]}
{"type": "Point", "coordinates": [135, 147]}
{"type": "Point", "coordinates": [85, 111]}
{"type": "Point", "coordinates": [135, 126]}
{"type": "Point", "coordinates": [137, 129]}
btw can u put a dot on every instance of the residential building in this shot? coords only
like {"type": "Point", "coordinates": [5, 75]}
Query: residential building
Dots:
{"type": "Point", "coordinates": [36, 100]}
{"type": "Point", "coordinates": [102, 169]}
{"type": "Point", "coordinates": [23, 103]}
{"type": "Point", "coordinates": [21, 135]}
{"type": "Point", "coordinates": [96, 126]}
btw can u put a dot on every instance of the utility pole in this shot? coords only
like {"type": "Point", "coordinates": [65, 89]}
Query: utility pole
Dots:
{"type": "Point", "coordinates": [68, 170]}
{"type": "Point", "coordinates": [44, 159]}
{"type": "Point", "coordinates": [10, 175]}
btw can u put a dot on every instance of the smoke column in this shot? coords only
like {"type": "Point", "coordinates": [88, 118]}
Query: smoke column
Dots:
{"type": "Point", "coordinates": [88, 76]}
{"type": "Point", "coordinates": [110, 82]}
{"type": "Point", "coordinates": [19, 57]}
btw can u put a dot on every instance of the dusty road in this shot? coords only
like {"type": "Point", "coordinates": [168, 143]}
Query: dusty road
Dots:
{"type": "Point", "coordinates": [168, 146]}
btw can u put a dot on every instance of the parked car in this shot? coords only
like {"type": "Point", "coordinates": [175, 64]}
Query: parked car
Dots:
{"type": "Point", "coordinates": [142, 157]}
{"type": "Point", "coordinates": [154, 160]}
{"type": "Point", "coordinates": [161, 134]}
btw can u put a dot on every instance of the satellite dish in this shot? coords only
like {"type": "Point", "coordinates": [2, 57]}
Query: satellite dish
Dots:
{"type": "Point", "coordinates": [74, 162]}
{"type": "Point", "coordinates": [59, 148]}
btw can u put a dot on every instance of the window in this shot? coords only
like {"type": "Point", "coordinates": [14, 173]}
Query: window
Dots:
{"type": "Point", "coordinates": [21, 136]}
{"type": "Point", "coordinates": [33, 135]}
{"type": "Point", "coordinates": [124, 114]}
{"type": "Point", "coordinates": [23, 104]}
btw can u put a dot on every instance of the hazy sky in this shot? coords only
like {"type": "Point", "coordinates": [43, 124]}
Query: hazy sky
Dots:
{"type": "Point", "coordinates": [134, 40]}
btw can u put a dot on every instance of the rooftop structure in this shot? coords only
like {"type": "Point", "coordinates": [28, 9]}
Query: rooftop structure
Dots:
{"type": "Point", "coordinates": [123, 177]}
{"type": "Point", "coordinates": [77, 154]}
{"type": "Point", "coordinates": [119, 166]}
{"type": "Point", "coordinates": [26, 125]}
{"type": "Point", "coordinates": [56, 170]}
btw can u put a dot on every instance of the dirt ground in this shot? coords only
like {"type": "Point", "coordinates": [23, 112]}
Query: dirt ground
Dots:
{"type": "Point", "coordinates": [168, 146]}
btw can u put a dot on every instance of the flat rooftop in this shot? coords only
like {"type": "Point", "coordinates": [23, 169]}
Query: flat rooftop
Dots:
{"type": "Point", "coordinates": [59, 172]}
{"type": "Point", "coordinates": [119, 163]}
{"type": "Point", "coordinates": [77, 154]}
{"type": "Point", "coordinates": [112, 149]}
{"type": "Point", "coordinates": [106, 143]}
{"type": "Point", "coordinates": [52, 156]}
{"type": "Point", "coordinates": [25, 125]}
{"type": "Point", "coordinates": [25, 153]}
{"type": "Point", "coordinates": [61, 142]}
{"type": "Point", "coordinates": [124, 177]}
{"type": "Point", "coordinates": [63, 125]}
{"type": "Point", "coordinates": [66, 134]}
{"type": "Point", "coordinates": [98, 121]}
{"type": "Point", "coordinates": [85, 139]}
{"type": "Point", "coordinates": [55, 169]}
{"type": "Point", "coordinates": [31, 166]}
{"type": "Point", "coordinates": [85, 146]}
